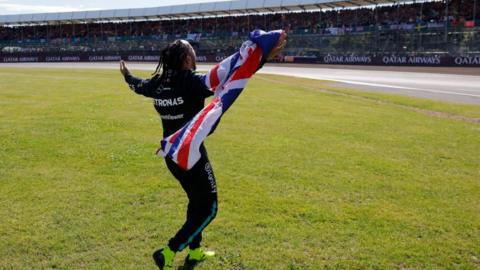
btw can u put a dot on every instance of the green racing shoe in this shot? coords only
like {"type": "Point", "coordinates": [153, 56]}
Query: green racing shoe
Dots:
{"type": "Point", "coordinates": [198, 255]}
{"type": "Point", "coordinates": [164, 258]}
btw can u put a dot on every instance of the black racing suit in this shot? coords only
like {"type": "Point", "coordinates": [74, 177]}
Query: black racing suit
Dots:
{"type": "Point", "coordinates": [178, 99]}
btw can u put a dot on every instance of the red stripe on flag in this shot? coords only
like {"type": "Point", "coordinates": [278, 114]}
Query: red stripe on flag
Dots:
{"type": "Point", "coordinates": [214, 78]}
{"type": "Point", "coordinates": [175, 136]}
{"type": "Point", "coordinates": [249, 67]}
{"type": "Point", "coordinates": [184, 151]}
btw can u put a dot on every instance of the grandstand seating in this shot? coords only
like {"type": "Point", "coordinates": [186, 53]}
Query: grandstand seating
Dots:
{"type": "Point", "coordinates": [404, 28]}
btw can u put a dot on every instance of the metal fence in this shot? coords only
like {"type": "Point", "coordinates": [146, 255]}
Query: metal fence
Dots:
{"type": "Point", "coordinates": [454, 41]}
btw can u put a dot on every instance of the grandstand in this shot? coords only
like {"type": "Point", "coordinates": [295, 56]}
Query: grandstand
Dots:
{"type": "Point", "coordinates": [320, 31]}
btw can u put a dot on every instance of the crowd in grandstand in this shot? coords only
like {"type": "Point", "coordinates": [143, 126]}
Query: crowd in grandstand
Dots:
{"type": "Point", "coordinates": [222, 32]}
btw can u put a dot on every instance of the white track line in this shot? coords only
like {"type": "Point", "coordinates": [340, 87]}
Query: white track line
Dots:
{"type": "Point", "coordinates": [391, 86]}
{"type": "Point", "coordinates": [404, 87]}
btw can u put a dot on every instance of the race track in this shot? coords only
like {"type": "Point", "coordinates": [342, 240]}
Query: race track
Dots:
{"type": "Point", "coordinates": [448, 84]}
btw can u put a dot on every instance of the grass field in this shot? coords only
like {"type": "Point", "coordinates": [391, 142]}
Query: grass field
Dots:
{"type": "Point", "coordinates": [307, 178]}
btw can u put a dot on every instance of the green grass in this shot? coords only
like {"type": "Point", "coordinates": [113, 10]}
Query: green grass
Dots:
{"type": "Point", "coordinates": [307, 179]}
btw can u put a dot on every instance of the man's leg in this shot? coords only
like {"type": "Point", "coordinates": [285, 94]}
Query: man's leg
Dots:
{"type": "Point", "coordinates": [198, 239]}
{"type": "Point", "coordinates": [200, 185]}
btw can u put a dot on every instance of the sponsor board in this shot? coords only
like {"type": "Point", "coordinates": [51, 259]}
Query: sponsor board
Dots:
{"type": "Point", "coordinates": [19, 59]}
{"type": "Point", "coordinates": [390, 60]}
{"type": "Point", "coordinates": [143, 58]}
{"type": "Point", "coordinates": [347, 59]}
{"type": "Point", "coordinates": [472, 60]}
{"type": "Point", "coordinates": [434, 60]}
{"type": "Point", "coordinates": [220, 58]}
{"type": "Point", "coordinates": [102, 58]}
{"type": "Point", "coordinates": [62, 58]}
{"type": "Point", "coordinates": [202, 58]}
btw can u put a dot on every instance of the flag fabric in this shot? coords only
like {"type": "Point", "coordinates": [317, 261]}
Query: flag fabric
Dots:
{"type": "Point", "coordinates": [227, 80]}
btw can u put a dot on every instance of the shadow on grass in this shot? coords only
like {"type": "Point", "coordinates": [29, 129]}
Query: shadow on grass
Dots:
{"type": "Point", "coordinates": [188, 266]}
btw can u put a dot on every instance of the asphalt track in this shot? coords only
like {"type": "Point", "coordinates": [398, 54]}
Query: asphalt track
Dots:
{"type": "Point", "coordinates": [447, 84]}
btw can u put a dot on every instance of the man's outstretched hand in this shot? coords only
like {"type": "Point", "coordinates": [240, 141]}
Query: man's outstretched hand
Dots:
{"type": "Point", "coordinates": [282, 41]}
{"type": "Point", "coordinates": [123, 68]}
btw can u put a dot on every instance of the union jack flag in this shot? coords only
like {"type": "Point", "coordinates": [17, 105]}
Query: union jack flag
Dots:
{"type": "Point", "coordinates": [227, 80]}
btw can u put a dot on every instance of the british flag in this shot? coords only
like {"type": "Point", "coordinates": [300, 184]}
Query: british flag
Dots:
{"type": "Point", "coordinates": [227, 80]}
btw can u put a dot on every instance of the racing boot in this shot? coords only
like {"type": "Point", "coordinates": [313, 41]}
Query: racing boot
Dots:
{"type": "Point", "coordinates": [198, 255]}
{"type": "Point", "coordinates": [164, 258]}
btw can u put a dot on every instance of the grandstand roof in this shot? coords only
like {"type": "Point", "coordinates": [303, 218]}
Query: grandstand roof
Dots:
{"type": "Point", "coordinates": [221, 8]}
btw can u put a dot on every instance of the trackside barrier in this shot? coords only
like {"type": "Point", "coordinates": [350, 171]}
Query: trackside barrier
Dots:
{"type": "Point", "coordinates": [471, 60]}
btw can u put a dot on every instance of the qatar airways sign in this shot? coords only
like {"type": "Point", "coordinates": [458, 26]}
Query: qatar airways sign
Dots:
{"type": "Point", "coordinates": [143, 58]}
{"type": "Point", "coordinates": [20, 59]}
{"type": "Point", "coordinates": [104, 58]}
{"type": "Point", "coordinates": [434, 60]}
{"type": "Point", "coordinates": [347, 59]}
{"type": "Point", "coordinates": [70, 58]}
{"type": "Point", "coordinates": [473, 60]}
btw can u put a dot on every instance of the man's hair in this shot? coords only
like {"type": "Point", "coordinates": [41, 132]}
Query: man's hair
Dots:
{"type": "Point", "coordinates": [172, 58]}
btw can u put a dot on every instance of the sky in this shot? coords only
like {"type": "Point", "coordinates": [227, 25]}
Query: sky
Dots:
{"type": "Point", "coordinates": [40, 6]}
